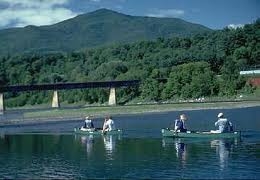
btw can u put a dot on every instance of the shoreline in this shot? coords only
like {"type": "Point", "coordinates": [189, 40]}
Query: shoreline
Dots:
{"type": "Point", "coordinates": [34, 116]}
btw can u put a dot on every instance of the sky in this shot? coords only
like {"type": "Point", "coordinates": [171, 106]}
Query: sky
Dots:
{"type": "Point", "coordinates": [215, 14]}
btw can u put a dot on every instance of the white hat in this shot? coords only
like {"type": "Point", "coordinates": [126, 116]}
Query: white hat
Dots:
{"type": "Point", "coordinates": [183, 117]}
{"type": "Point", "coordinates": [220, 115]}
{"type": "Point", "coordinates": [87, 117]}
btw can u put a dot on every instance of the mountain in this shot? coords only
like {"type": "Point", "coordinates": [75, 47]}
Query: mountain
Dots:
{"type": "Point", "coordinates": [97, 28]}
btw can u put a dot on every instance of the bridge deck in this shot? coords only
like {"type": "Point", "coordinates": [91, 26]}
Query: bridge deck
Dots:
{"type": "Point", "coordinates": [61, 86]}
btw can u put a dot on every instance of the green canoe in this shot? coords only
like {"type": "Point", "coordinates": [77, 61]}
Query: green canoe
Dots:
{"type": "Point", "coordinates": [171, 133]}
{"type": "Point", "coordinates": [97, 132]}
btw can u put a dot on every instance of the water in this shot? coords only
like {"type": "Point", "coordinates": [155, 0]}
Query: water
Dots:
{"type": "Point", "coordinates": [53, 151]}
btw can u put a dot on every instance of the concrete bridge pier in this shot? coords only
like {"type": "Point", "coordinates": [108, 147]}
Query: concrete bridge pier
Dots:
{"type": "Point", "coordinates": [2, 107]}
{"type": "Point", "coordinates": [112, 97]}
{"type": "Point", "coordinates": [55, 100]}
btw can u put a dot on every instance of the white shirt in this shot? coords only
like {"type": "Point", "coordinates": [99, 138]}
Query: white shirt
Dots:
{"type": "Point", "coordinates": [109, 124]}
{"type": "Point", "coordinates": [223, 125]}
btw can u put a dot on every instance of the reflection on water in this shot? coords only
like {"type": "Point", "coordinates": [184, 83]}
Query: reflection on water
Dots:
{"type": "Point", "coordinates": [93, 144]}
{"type": "Point", "coordinates": [181, 151]}
{"type": "Point", "coordinates": [180, 147]}
{"type": "Point", "coordinates": [224, 147]}
{"type": "Point", "coordinates": [109, 143]}
{"type": "Point", "coordinates": [69, 156]}
{"type": "Point", "coordinates": [87, 141]}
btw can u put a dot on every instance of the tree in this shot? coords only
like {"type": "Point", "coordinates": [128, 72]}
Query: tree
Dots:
{"type": "Point", "coordinates": [230, 80]}
{"type": "Point", "coordinates": [190, 80]}
{"type": "Point", "coordinates": [150, 89]}
{"type": "Point", "coordinates": [3, 78]}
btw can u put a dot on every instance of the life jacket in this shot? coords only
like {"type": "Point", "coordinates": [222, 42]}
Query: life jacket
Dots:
{"type": "Point", "coordinates": [89, 123]}
{"type": "Point", "coordinates": [178, 124]}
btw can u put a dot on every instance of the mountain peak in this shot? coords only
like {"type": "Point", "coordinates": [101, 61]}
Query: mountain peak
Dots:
{"type": "Point", "coordinates": [97, 28]}
{"type": "Point", "coordinates": [104, 11]}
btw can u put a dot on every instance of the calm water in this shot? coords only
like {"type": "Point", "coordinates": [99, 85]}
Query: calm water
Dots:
{"type": "Point", "coordinates": [53, 151]}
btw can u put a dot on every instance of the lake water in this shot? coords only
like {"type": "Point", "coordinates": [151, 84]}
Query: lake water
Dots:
{"type": "Point", "coordinates": [53, 151]}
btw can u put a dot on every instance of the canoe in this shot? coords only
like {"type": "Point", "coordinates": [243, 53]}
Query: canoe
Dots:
{"type": "Point", "coordinates": [97, 132]}
{"type": "Point", "coordinates": [171, 133]}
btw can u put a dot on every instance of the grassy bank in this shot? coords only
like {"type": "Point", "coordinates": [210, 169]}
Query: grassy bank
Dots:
{"type": "Point", "coordinates": [133, 109]}
{"type": "Point", "coordinates": [43, 115]}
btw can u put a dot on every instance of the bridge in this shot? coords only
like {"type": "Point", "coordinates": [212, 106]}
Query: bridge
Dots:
{"type": "Point", "coordinates": [66, 86]}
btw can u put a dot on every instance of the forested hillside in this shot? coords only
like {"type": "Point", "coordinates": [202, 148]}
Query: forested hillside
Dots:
{"type": "Point", "coordinates": [203, 65]}
{"type": "Point", "coordinates": [93, 29]}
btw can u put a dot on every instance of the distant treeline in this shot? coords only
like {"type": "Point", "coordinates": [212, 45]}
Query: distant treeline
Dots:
{"type": "Point", "coordinates": [203, 65]}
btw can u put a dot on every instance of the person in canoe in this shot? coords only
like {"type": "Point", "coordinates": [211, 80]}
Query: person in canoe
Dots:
{"type": "Point", "coordinates": [179, 125]}
{"type": "Point", "coordinates": [88, 124]}
{"type": "Point", "coordinates": [223, 124]}
{"type": "Point", "coordinates": [108, 125]}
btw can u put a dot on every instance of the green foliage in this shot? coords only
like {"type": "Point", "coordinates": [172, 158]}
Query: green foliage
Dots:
{"type": "Point", "coordinates": [202, 65]}
{"type": "Point", "coordinates": [150, 89]}
{"type": "Point", "coordinates": [192, 80]}
{"type": "Point", "coordinates": [109, 70]}
{"type": "Point", "coordinates": [3, 78]}
{"type": "Point", "coordinates": [230, 81]}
